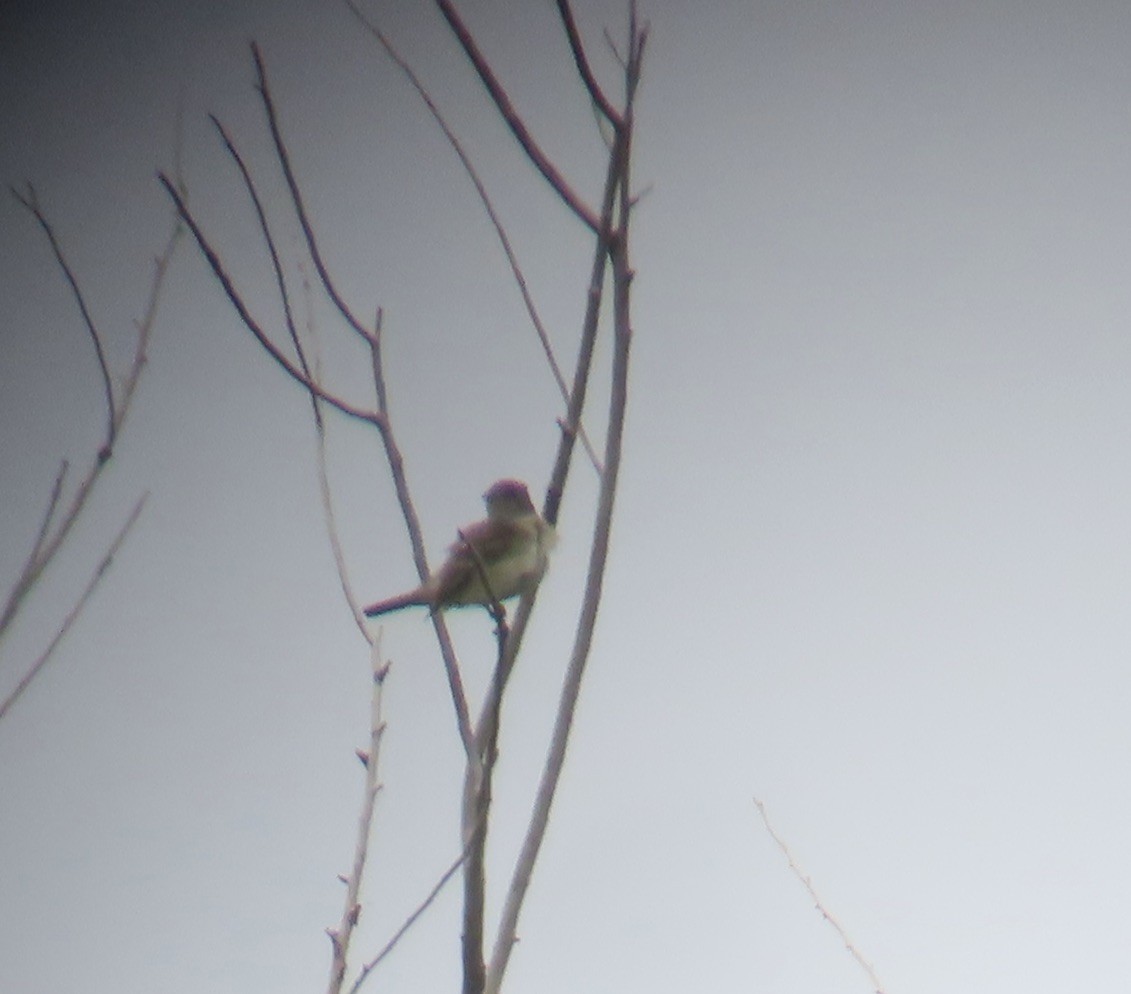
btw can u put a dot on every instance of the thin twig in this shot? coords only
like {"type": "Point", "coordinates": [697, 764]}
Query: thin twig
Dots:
{"type": "Point", "coordinates": [296, 197]}
{"type": "Point", "coordinates": [589, 325]}
{"type": "Point", "coordinates": [49, 542]}
{"type": "Point", "coordinates": [49, 513]}
{"type": "Point", "coordinates": [32, 204]}
{"type": "Point", "coordinates": [340, 936]}
{"type": "Point", "coordinates": [821, 907]}
{"type": "Point", "coordinates": [477, 797]}
{"type": "Point", "coordinates": [324, 472]}
{"type": "Point", "coordinates": [400, 933]}
{"type": "Point", "coordinates": [371, 417]}
{"type": "Point", "coordinates": [514, 122]}
{"type": "Point", "coordinates": [69, 620]}
{"type": "Point", "coordinates": [488, 206]}
{"type": "Point", "coordinates": [416, 539]}
{"type": "Point", "coordinates": [272, 251]}
{"type": "Point", "coordinates": [584, 70]}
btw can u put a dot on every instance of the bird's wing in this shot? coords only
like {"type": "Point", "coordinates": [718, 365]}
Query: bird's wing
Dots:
{"type": "Point", "coordinates": [459, 580]}
{"type": "Point", "coordinates": [492, 541]}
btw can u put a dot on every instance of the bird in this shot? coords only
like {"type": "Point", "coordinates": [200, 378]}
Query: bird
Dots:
{"type": "Point", "coordinates": [512, 545]}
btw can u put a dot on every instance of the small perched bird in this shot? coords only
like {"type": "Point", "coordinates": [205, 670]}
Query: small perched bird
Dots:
{"type": "Point", "coordinates": [512, 544]}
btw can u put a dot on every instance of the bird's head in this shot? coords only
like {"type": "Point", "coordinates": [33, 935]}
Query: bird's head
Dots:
{"type": "Point", "coordinates": [508, 499]}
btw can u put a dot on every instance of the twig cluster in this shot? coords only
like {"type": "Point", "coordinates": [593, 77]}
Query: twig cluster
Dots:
{"type": "Point", "coordinates": [60, 515]}
{"type": "Point", "coordinates": [609, 223]}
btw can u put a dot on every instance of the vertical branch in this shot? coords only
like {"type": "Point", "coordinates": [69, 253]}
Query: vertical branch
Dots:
{"type": "Point", "coordinates": [476, 808]}
{"type": "Point", "coordinates": [340, 936]}
{"type": "Point", "coordinates": [622, 339]}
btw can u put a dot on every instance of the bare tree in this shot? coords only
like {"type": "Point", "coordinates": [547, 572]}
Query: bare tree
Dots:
{"type": "Point", "coordinates": [64, 509]}
{"type": "Point", "coordinates": [484, 954]}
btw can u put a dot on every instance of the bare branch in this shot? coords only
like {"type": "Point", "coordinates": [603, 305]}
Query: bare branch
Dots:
{"type": "Point", "coordinates": [296, 197]}
{"type": "Point", "coordinates": [416, 540]}
{"type": "Point", "coordinates": [477, 795]}
{"type": "Point", "coordinates": [618, 190]}
{"type": "Point", "coordinates": [514, 122]}
{"type": "Point", "coordinates": [324, 478]}
{"type": "Point", "coordinates": [49, 513]}
{"type": "Point", "coordinates": [589, 324]}
{"type": "Point", "coordinates": [821, 907]}
{"type": "Point", "coordinates": [340, 936]}
{"type": "Point", "coordinates": [49, 542]}
{"type": "Point", "coordinates": [389, 946]}
{"type": "Point", "coordinates": [371, 417]}
{"type": "Point", "coordinates": [31, 203]}
{"type": "Point", "coordinates": [596, 94]}
{"type": "Point", "coordinates": [75, 611]}
{"type": "Point", "coordinates": [496, 222]}
{"type": "Point", "coordinates": [272, 251]}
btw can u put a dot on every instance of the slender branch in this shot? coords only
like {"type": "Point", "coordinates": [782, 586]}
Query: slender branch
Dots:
{"type": "Point", "coordinates": [589, 324]}
{"type": "Point", "coordinates": [477, 795]}
{"type": "Point", "coordinates": [596, 94]}
{"type": "Point", "coordinates": [49, 542]}
{"type": "Point", "coordinates": [296, 197]}
{"type": "Point", "coordinates": [821, 907]}
{"type": "Point", "coordinates": [371, 417]}
{"type": "Point", "coordinates": [148, 320]}
{"type": "Point", "coordinates": [340, 936]}
{"type": "Point", "coordinates": [476, 807]}
{"type": "Point", "coordinates": [389, 946]}
{"type": "Point", "coordinates": [514, 122]}
{"type": "Point", "coordinates": [622, 339]}
{"type": "Point", "coordinates": [488, 206]}
{"type": "Point", "coordinates": [416, 539]}
{"type": "Point", "coordinates": [49, 513]}
{"type": "Point", "coordinates": [31, 203]}
{"type": "Point", "coordinates": [69, 620]}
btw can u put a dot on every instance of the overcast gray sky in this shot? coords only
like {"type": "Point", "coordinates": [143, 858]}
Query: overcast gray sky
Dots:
{"type": "Point", "coordinates": [871, 556]}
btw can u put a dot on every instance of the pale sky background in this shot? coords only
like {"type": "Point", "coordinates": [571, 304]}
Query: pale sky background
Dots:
{"type": "Point", "coordinates": [870, 561]}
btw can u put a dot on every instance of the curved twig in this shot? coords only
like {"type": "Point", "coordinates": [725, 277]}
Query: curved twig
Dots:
{"type": "Point", "coordinates": [48, 541]}
{"type": "Point", "coordinates": [514, 122]}
{"type": "Point", "coordinates": [32, 204]}
{"type": "Point", "coordinates": [584, 70]}
{"type": "Point", "coordinates": [371, 417]}
{"type": "Point", "coordinates": [296, 197]}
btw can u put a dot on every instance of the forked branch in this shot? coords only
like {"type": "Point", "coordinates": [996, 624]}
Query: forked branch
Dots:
{"type": "Point", "coordinates": [60, 515]}
{"type": "Point", "coordinates": [513, 120]}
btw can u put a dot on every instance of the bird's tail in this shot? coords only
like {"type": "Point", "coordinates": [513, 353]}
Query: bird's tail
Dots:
{"type": "Point", "coordinates": [413, 597]}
